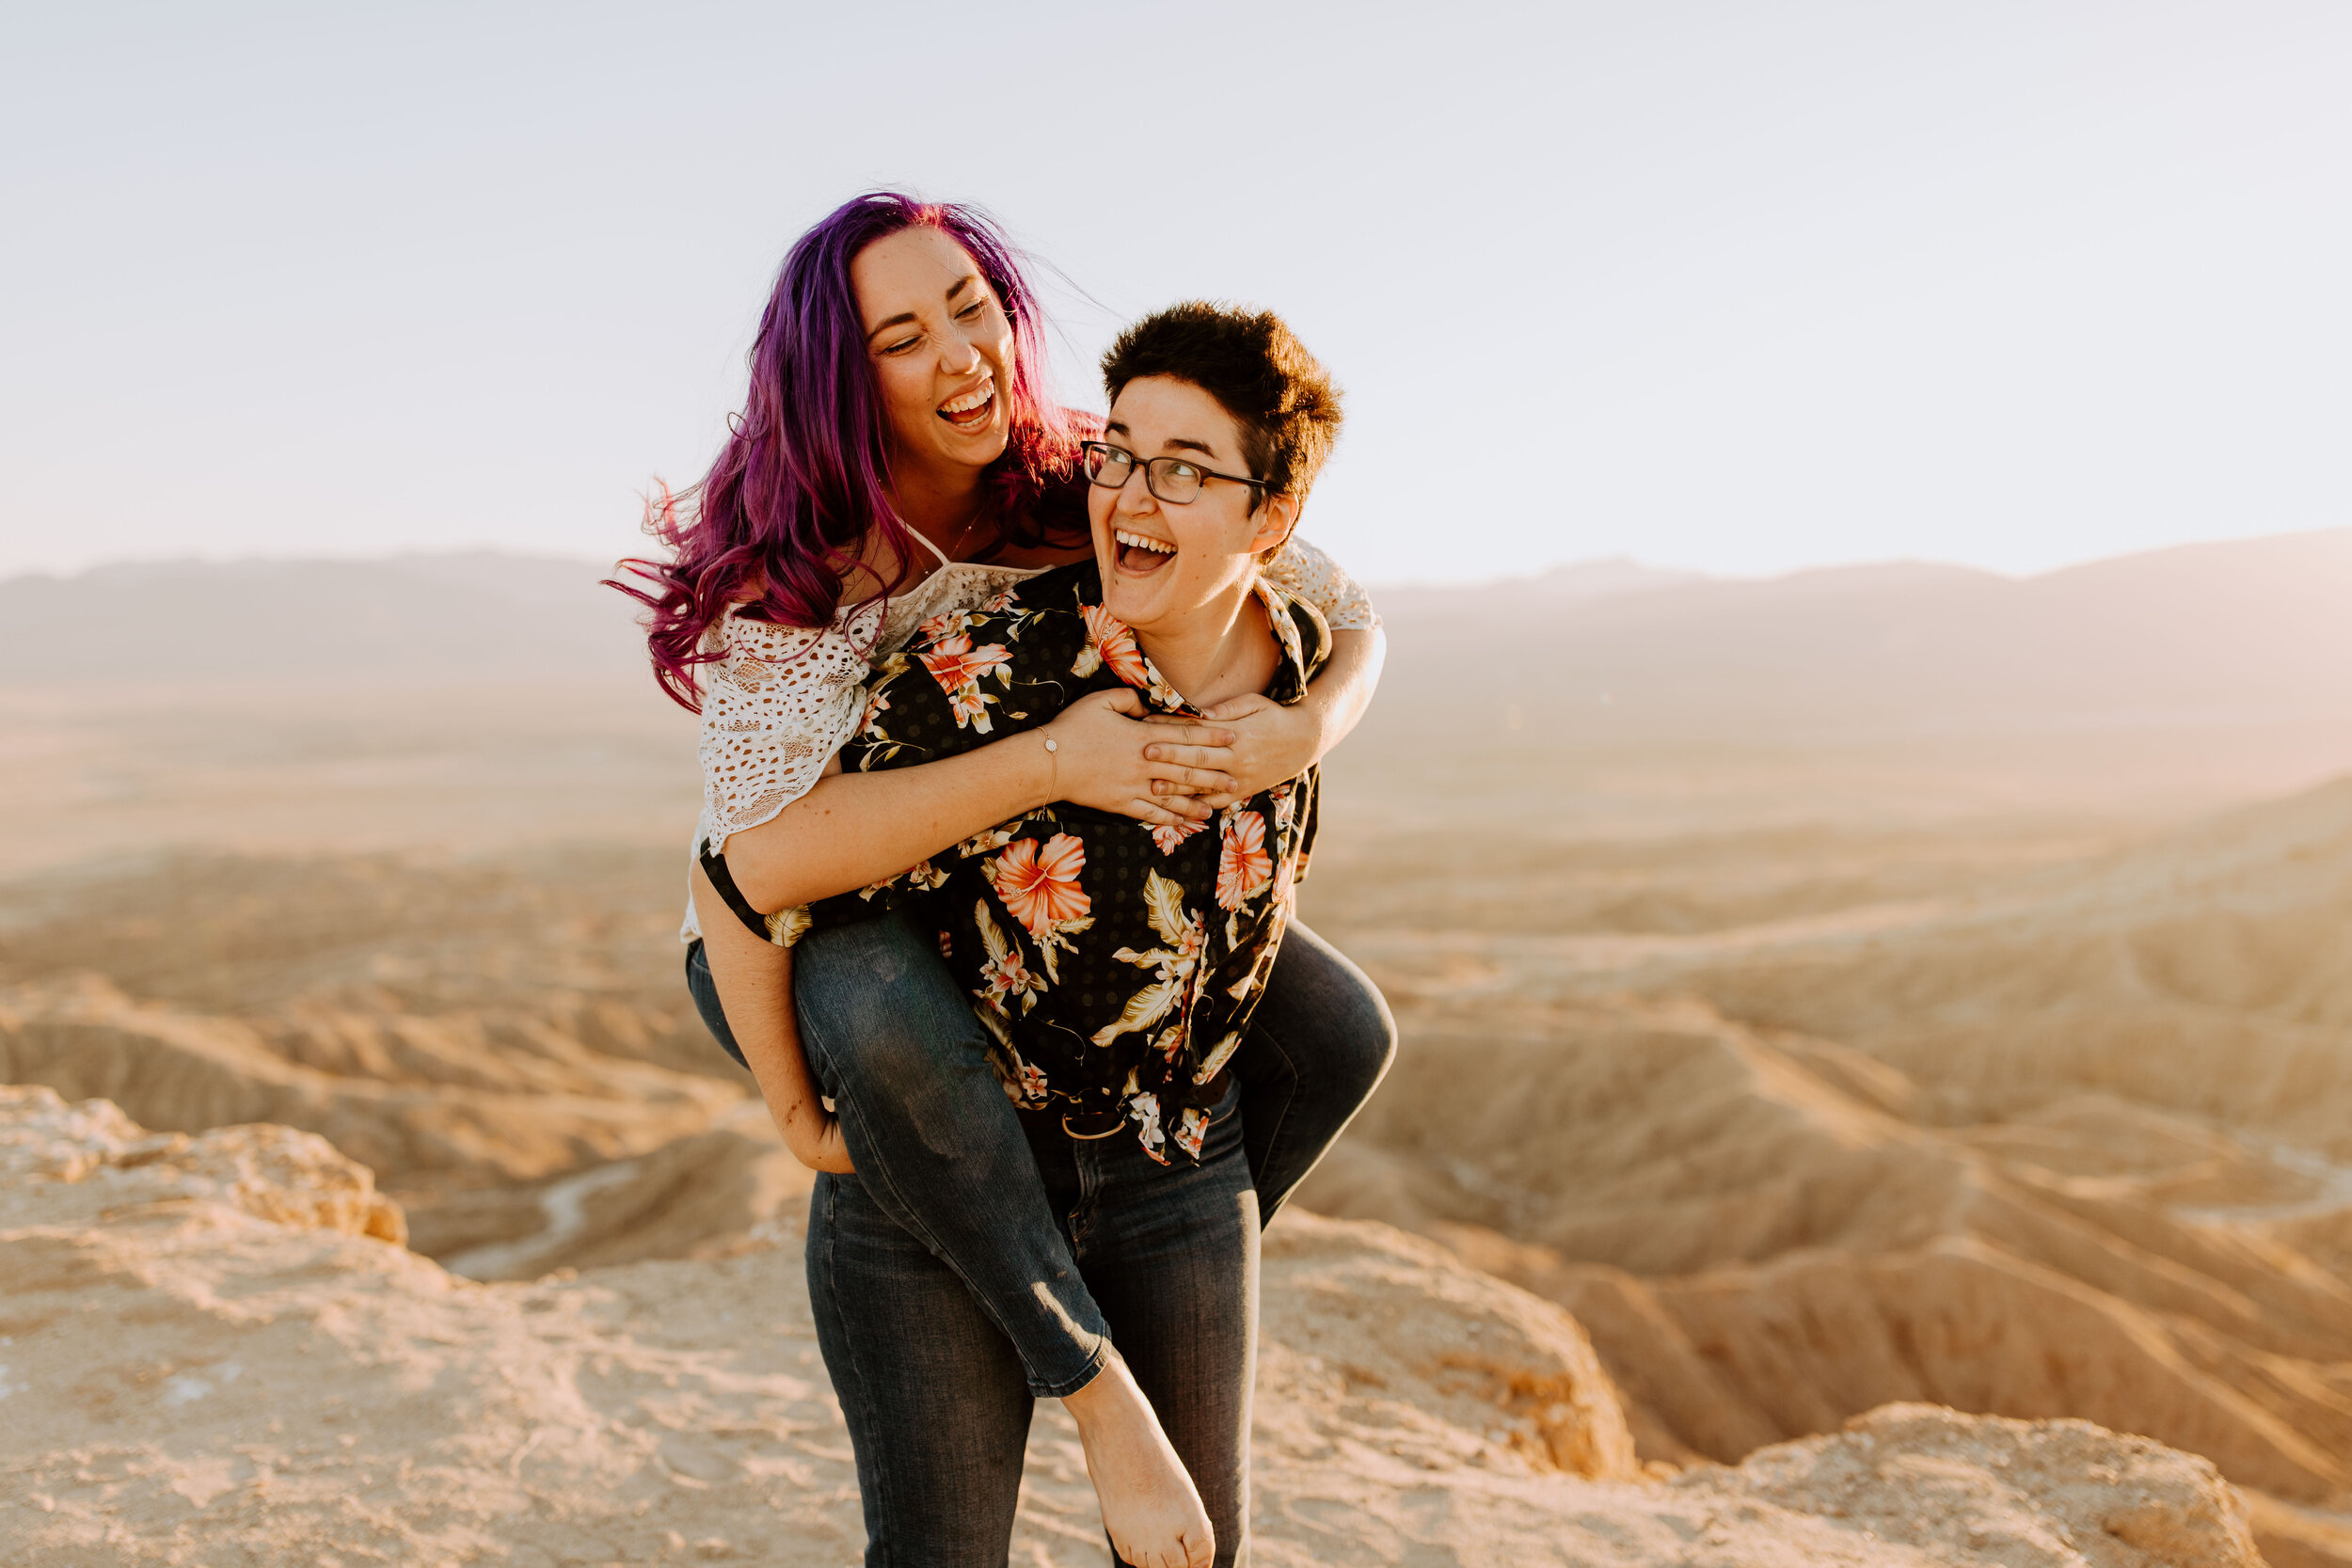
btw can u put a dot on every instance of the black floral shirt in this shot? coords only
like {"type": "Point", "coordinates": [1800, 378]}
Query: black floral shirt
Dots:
{"type": "Point", "coordinates": [1114, 964]}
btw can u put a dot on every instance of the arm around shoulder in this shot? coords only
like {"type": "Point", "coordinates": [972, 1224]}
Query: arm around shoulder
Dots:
{"type": "Point", "coordinates": [1338, 696]}
{"type": "Point", "coordinates": [1273, 742]}
{"type": "Point", "coordinates": [1302, 568]}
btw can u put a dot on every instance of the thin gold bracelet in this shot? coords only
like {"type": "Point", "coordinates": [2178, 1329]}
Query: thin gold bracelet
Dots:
{"type": "Point", "coordinates": [1053, 756]}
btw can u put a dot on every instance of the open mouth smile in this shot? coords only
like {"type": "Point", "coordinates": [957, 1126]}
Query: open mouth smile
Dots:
{"type": "Point", "coordinates": [974, 408]}
{"type": "Point", "coordinates": [1140, 554]}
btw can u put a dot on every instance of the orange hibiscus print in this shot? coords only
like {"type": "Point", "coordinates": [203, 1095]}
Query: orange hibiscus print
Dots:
{"type": "Point", "coordinates": [1191, 1129]}
{"type": "Point", "coordinates": [1004, 978]}
{"type": "Point", "coordinates": [956, 665]}
{"type": "Point", "coordinates": [1114, 642]}
{"type": "Point", "coordinates": [1285, 883]}
{"type": "Point", "coordinates": [1040, 887]}
{"type": "Point", "coordinates": [877, 704]}
{"type": "Point", "coordinates": [1243, 866]}
{"type": "Point", "coordinates": [970, 707]}
{"type": "Point", "coordinates": [946, 624]}
{"type": "Point", "coordinates": [1170, 834]}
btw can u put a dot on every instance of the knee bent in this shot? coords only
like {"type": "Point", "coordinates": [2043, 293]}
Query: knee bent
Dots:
{"type": "Point", "coordinates": [1376, 1040]}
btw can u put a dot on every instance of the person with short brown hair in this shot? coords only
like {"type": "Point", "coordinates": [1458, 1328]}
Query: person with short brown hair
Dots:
{"type": "Point", "coordinates": [1115, 963]}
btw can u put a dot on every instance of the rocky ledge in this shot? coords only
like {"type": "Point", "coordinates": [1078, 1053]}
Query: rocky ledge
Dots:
{"type": "Point", "coordinates": [217, 1346]}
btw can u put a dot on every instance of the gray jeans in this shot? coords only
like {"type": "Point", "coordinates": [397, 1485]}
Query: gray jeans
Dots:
{"type": "Point", "coordinates": [936, 1399]}
{"type": "Point", "coordinates": [969, 1268]}
{"type": "Point", "coordinates": [941, 1150]}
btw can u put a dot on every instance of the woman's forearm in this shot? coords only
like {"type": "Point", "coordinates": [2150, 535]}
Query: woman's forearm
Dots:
{"type": "Point", "coordinates": [855, 829]}
{"type": "Point", "coordinates": [754, 983]}
{"type": "Point", "coordinates": [1273, 742]}
{"type": "Point", "coordinates": [1341, 690]}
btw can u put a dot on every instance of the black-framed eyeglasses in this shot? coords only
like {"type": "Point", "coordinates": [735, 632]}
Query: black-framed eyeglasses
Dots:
{"type": "Point", "coordinates": [1173, 479]}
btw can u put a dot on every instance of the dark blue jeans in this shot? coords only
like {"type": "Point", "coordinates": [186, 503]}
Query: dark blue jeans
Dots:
{"type": "Point", "coordinates": [936, 1399]}
{"type": "Point", "coordinates": [940, 1151]}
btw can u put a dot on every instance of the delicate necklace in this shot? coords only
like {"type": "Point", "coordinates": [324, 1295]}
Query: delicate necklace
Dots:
{"type": "Point", "coordinates": [953, 554]}
{"type": "Point", "coordinates": [955, 551]}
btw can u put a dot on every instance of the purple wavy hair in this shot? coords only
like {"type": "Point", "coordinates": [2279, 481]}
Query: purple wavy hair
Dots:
{"type": "Point", "coordinates": [804, 477]}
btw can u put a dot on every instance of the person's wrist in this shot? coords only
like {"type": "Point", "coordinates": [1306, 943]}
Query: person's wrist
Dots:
{"type": "Point", "coordinates": [805, 1133]}
{"type": "Point", "coordinates": [1041, 760]}
{"type": "Point", "coordinates": [1307, 717]}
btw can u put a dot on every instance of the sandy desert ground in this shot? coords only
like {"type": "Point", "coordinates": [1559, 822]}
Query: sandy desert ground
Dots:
{"type": "Point", "coordinates": [1870, 1022]}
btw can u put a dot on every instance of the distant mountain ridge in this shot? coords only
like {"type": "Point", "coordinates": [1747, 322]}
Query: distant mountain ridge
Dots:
{"type": "Point", "coordinates": [408, 618]}
{"type": "Point", "coordinates": [2250, 629]}
{"type": "Point", "coordinates": [2256, 629]}
{"type": "Point", "coordinates": [1579, 582]}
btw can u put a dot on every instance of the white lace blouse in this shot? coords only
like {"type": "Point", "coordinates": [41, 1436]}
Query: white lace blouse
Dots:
{"type": "Point", "coordinates": [780, 701]}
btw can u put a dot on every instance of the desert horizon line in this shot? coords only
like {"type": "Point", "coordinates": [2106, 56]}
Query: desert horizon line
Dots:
{"type": "Point", "coordinates": [1666, 574]}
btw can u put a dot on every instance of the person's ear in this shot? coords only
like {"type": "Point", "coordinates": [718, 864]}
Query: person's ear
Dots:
{"type": "Point", "coordinates": [1277, 517]}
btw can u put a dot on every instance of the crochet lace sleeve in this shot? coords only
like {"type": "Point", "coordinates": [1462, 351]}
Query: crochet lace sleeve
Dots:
{"type": "Point", "coordinates": [776, 705]}
{"type": "Point", "coordinates": [1306, 571]}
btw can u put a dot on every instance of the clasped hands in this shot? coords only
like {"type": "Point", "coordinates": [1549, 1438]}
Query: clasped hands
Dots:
{"type": "Point", "coordinates": [1248, 744]}
{"type": "Point", "coordinates": [1185, 769]}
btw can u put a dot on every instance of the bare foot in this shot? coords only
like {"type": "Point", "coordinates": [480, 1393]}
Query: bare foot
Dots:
{"type": "Point", "coordinates": [1150, 1505]}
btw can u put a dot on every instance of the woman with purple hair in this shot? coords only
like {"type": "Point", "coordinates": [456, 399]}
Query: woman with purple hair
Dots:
{"type": "Point", "coordinates": [898, 459]}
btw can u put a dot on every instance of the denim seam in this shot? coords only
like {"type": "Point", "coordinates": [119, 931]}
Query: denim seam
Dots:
{"type": "Point", "coordinates": [1043, 1389]}
{"type": "Point", "coordinates": [1095, 1363]}
{"type": "Point", "coordinates": [1102, 1357]}
{"type": "Point", "coordinates": [1273, 1139]}
{"type": "Point", "coordinates": [1089, 1184]}
{"type": "Point", "coordinates": [880, 1507]}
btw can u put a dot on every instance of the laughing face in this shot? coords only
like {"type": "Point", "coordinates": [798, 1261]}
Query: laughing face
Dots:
{"type": "Point", "coordinates": [1164, 563]}
{"type": "Point", "coordinates": [941, 347]}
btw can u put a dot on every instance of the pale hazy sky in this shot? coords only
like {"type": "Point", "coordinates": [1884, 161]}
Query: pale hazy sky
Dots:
{"type": "Point", "coordinates": [1741, 286]}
